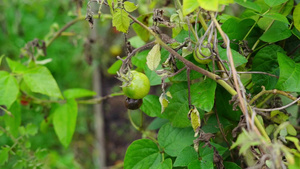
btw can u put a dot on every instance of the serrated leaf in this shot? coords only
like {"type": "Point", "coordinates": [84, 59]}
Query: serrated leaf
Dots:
{"type": "Point", "coordinates": [187, 155]}
{"type": "Point", "coordinates": [121, 20]}
{"type": "Point", "coordinates": [9, 89]}
{"type": "Point", "coordinates": [166, 164]}
{"type": "Point", "coordinates": [189, 6]}
{"type": "Point", "coordinates": [129, 6]}
{"type": "Point", "coordinates": [78, 92]}
{"type": "Point", "coordinates": [273, 3]}
{"type": "Point", "coordinates": [280, 29]}
{"type": "Point", "coordinates": [142, 153]}
{"type": "Point", "coordinates": [277, 16]}
{"type": "Point", "coordinates": [4, 155]}
{"type": "Point", "coordinates": [203, 94]}
{"type": "Point", "coordinates": [249, 5]}
{"type": "Point", "coordinates": [151, 106]}
{"type": "Point", "coordinates": [296, 17]}
{"type": "Point", "coordinates": [289, 79]}
{"type": "Point", "coordinates": [178, 107]}
{"type": "Point", "coordinates": [40, 80]}
{"type": "Point", "coordinates": [173, 140]}
{"type": "Point", "coordinates": [16, 67]}
{"type": "Point", "coordinates": [154, 57]}
{"type": "Point", "coordinates": [64, 121]}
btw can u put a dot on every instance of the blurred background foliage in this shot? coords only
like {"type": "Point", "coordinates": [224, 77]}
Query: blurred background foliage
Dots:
{"type": "Point", "coordinates": [24, 21]}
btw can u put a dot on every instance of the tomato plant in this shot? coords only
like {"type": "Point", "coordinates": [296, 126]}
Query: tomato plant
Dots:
{"type": "Point", "coordinates": [225, 83]}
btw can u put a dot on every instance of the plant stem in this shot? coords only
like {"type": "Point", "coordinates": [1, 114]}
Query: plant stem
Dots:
{"type": "Point", "coordinates": [248, 33]}
{"type": "Point", "coordinates": [202, 21]}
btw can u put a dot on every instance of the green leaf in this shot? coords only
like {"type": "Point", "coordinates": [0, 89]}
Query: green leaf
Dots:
{"type": "Point", "coordinates": [139, 60]}
{"type": "Point", "coordinates": [40, 80]}
{"type": "Point", "coordinates": [211, 125]}
{"type": "Point", "coordinates": [203, 94]}
{"type": "Point", "coordinates": [174, 140]}
{"type": "Point", "coordinates": [9, 89]}
{"type": "Point", "coordinates": [231, 165]}
{"type": "Point", "coordinates": [280, 29]}
{"type": "Point", "coordinates": [154, 57]}
{"type": "Point", "coordinates": [248, 4]}
{"type": "Point", "coordinates": [4, 155]}
{"type": "Point", "coordinates": [142, 153]}
{"type": "Point", "coordinates": [13, 122]}
{"type": "Point", "coordinates": [289, 79]}
{"type": "Point", "coordinates": [189, 6]}
{"type": "Point", "coordinates": [113, 69]}
{"type": "Point", "coordinates": [121, 20]}
{"type": "Point", "coordinates": [140, 31]}
{"type": "Point", "coordinates": [209, 5]}
{"type": "Point", "coordinates": [266, 61]}
{"type": "Point", "coordinates": [238, 59]}
{"type": "Point", "coordinates": [296, 17]}
{"type": "Point", "coordinates": [178, 108]}
{"type": "Point", "coordinates": [64, 121]}
{"type": "Point", "coordinates": [151, 106]}
{"type": "Point", "coordinates": [237, 29]}
{"type": "Point", "coordinates": [196, 164]}
{"type": "Point", "coordinates": [129, 6]}
{"type": "Point", "coordinates": [16, 67]}
{"type": "Point", "coordinates": [224, 108]}
{"type": "Point", "coordinates": [77, 93]}
{"type": "Point", "coordinates": [277, 16]}
{"type": "Point", "coordinates": [187, 155]}
{"type": "Point", "coordinates": [166, 164]}
{"type": "Point", "coordinates": [157, 123]}
{"type": "Point", "coordinates": [273, 3]}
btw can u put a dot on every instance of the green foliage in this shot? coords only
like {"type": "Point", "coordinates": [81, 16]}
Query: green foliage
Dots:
{"type": "Point", "coordinates": [64, 121]}
{"type": "Point", "coordinates": [262, 43]}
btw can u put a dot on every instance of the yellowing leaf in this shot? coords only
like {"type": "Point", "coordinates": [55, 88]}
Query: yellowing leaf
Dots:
{"type": "Point", "coordinates": [213, 5]}
{"type": "Point", "coordinates": [153, 57]}
{"type": "Point", "coordinates": [195, 120]}
{"type": "Point", "coordinates": [129, 6]}
{"type": "Point", "coordinates": [189, 6]}
{"type": "Point", "coordinates": [163, 101]}
{"type": "Point", "coordinates": [121, 20]}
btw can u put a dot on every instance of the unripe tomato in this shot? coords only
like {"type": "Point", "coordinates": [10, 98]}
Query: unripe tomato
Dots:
{"type": "Point", "coordinates": [133, 104]}
{"type": "Point", "coordinates": [205, 51]}
{"type": "Point", "coordinates": [139, 86]}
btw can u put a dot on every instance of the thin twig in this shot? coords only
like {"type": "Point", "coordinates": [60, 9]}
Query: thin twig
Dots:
{"type": "Point", "coordinates": [257, 72]}
{"type": "Point", "coordinates": [279, 108]}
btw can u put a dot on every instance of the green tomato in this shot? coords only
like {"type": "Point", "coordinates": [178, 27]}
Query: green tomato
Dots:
{"type": "Point", "coordinates": [139, 86]}
{"type": "Point", "coordinates": [205, 51]}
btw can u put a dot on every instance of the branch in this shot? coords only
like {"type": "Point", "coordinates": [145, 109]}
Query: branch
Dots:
{"type": "Point", "coordinates": [279, 108]}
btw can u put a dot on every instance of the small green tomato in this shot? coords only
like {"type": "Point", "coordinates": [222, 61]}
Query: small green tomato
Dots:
{"type": "Point", "coordinates": [205, 51]}
{"type": "Point", "coordinates": [139, 86]}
